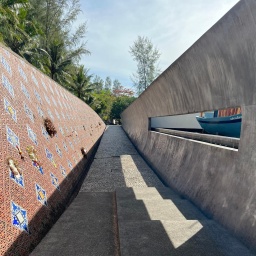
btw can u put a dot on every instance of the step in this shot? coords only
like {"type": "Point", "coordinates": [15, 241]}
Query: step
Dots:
{"type": "Point", "coordinates": [85, 228]}
{"type": "Point", "coordinates": [177, 238]}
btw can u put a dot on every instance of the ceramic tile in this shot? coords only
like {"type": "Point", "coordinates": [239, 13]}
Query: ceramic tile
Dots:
{"type": "Point", "coordinates": [12, 137]}
{"type": "Point", "coordinates": [28, 112]}
{"type": "Point", "coordinates": [38, 167]}
{"type": "Point", "coordinates": [40, 111]}
{"type": "Point", "coordinates": [63, 171]}
{"type": "Point", "coordinates": [5, 64]}
{"type": "Point", "coordinates": [38, 96]}
{"type": "Point", "coordinates": [41, 195]}
{"type": "Point", "coordinates": [34, 80]}
{"type": "Point", "coordinates": [7, 85]}
{"type": "Point", "coordinates": [58, 150]}
{"type": "Point", "coordinates": [25, 91]}
{"type": "Point", "coordinates": [19, 180]}
{"type": "Point", "coordinates": [19, 217]}
{"type": "Point", "coordinates": [22, 73]}
{"type": "Point", "coordinates": [10, 109]}
{"type": "Point", "coordinates": [32, 135]}
{"type": "Point", "coordinates": [55, 181]}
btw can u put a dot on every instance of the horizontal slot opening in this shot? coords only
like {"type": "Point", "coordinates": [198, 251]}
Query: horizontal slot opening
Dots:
{"type": "Point", "coordinates": [219, 127]}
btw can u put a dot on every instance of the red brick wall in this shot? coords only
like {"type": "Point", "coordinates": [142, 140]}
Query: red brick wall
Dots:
{"type": "Point", "coordinates": [24, 218]}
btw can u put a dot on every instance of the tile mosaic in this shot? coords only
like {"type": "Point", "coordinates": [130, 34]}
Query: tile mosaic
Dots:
{"type": "Point", "coordinates": [19, 217]}
{"type": "Point", "coordinates": [9, 108]}
{"type": "Point", "coordinates": [28, 112]}
{"type": "Point", "coordinates": [58, 150]}
{"type": "Point", "coordinates": [63, 171]}
{"type": "Point", "coordinates": [7, 85]}
{"type": "Point", "coordinates": [41, 195]}
{"type": "Point", "coordinates": [7, 53]}
{"type": "Point", "coordinates": [32, 135]}
{"type": "Point", "coordinates": [19, 180]}
{"type": "Point", "coordinates": [6, 64]}
{"type": "Point", "coordinates": [63, 116]}
{"type": "Point", "coordinates": [40, 111]}
{"type": "Point", "coordinates": [34, 80]}
{"type": "Point", "coordinates": [25, 91]}
{"type": "Point", "coordinates": [55, 181]}
{"type": "Point", "coordinates": [22, 73]}
{"type": "Point", "coordinates": [38, 96]}
{"type": "Point", "coordinates": [38, 167]}
{"type": "Point", "coordinates": [45, 133]}
{"type": "Point", "coordinates": [71, 144]}
{"type": "Point", "coordinates": [12, 137]}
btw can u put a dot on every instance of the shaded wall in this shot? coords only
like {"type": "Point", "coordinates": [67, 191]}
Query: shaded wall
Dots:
{"type": "Point", "coordinates": [218, 71]}
{"type": "Point", "coordinates": [29, 205]}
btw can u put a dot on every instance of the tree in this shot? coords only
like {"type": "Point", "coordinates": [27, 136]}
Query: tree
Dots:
{"type": "Point", "coordinates": [81, 85]}
{"type": "Point", "coordinates": [99, 83]}
{"type": "Point", "coordinates": [119, 105]}
{"type": "Point", "coordinates": [116, 85]}
{"type": "Point", "coordinates": [146, 56]}
{"type": "Point", "coordinates": [121, 91]}
{"type": "Point", "coordinates": [108, 83]}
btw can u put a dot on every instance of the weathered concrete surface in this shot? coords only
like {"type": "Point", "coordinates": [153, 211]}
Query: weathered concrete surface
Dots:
{"type": "Point", "coordinates": [218, 71]}
{"type": "Point", "coordinates": [151, 220]}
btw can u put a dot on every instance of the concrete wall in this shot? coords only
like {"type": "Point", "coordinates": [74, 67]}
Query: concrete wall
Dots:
{"type": "Point", "coordinates": [217, 72]}
{"type": "Point", "coordinates": [30, 205]}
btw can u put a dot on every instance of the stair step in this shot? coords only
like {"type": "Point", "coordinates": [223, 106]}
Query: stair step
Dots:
{"type": "Point", "coordinates": [177, 238]}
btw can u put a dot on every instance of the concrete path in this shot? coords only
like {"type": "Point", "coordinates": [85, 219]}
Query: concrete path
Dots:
{"type": "Point", "coordinates": [124, 209]}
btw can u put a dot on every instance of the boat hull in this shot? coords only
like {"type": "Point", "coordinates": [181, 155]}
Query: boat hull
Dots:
{"type": "Point", "coordinates": [229, 126]}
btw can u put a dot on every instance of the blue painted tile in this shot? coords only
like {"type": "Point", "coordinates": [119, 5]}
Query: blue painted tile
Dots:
{"type": "Point", "coordinates": [7, 85]}
{"type": "Point", "coordinates": [47, 99]}
{"type": "Point", "coordinates": [44, 85]}
{"type": "Point", "coordinates": [55, 181]}
{"type": "Point", "coordinates": [58, 150]}
{"type": "Point", "coordinates": [12, 137]}
{"type": "Point", "coordinates": [63, 171]}
{"type": "Point", "coordinates": [22, 73]}
{"type": "Point", "coordinates": [32, 135]}
{"type": "Point", "coordinates": [40, 111]}
{"type": "Point", "coordinates": [65, 146]}
{"type": "Point", "coordinates": [9, 108]}
{"type": "Point", "coordinates": [34, 80]}
{"type": "Point", "coordinates": [6, 65]}
{"type": "Point", "coordinates": [48, 154]}
{"type": "Point", "coordinates": [25, 91]}
{"type": "Point", "coordinates": [41, 195]}
{"type": "Point", "coordinates": [50, 114]}
{"type": "Point", "coordinates": [45, 133]}
{"type": "Point", "coordinates": [39, 168]}
{"type": "Point", "coordinates": [18, 180]}
{"type": "Point", "coordinates": [19, 217]}
{"type": "Point", "coordinates": [70, 165]}
{"type": "Point", "coordinates": [28, 112]}
{"type": "Point", "coordinates": [37, 96]}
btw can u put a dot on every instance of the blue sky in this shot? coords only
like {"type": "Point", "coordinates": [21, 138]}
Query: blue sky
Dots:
{"type": "Point", "coordinates": [172, 26]}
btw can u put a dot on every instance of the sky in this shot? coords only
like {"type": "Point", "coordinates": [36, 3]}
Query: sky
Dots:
{"type": "Point", "coordinates": [171, 25]}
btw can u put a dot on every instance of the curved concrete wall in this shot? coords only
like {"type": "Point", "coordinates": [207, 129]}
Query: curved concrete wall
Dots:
{"type": "Point", "coordinates": [30, 204]}
{"type": "Point", "coordinates": [218, 71]}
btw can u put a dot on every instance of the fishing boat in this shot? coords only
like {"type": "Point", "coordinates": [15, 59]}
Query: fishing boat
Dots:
{"type": "Point", "coordinates": [225, 122]}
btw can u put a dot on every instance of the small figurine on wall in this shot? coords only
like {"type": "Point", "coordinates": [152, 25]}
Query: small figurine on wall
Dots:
{"type": "Point", "coordinates": [49, 127]}
{"type": "Point", "coordinates": [32, 155]}
{"type": "Point", "coordinates": [13, 166]}
{"type": "Point", "coordinates": [20, 152]}
{"type": "Point", "coordinates": [84, 152]}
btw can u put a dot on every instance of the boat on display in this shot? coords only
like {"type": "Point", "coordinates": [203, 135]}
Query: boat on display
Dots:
{"type": "Point", "coordinates": [225, 122]}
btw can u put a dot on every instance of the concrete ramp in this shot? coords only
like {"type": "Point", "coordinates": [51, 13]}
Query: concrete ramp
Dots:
{"type": "Point", "coordinates": [124, 209]}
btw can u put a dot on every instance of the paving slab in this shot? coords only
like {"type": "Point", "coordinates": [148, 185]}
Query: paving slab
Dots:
{"type": "Point", "coordinates": [177, 238]}
{"type": "Point", "coordinates": [85, 228]}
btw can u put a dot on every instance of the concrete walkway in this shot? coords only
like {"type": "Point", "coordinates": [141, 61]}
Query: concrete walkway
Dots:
{"type": "Point", "coordinates": [124, 209]}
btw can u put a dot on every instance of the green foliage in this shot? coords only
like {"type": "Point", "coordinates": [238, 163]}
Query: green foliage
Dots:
{"type": "Point", "coordinates": [119, 105]}
{"type": "Point", "coordinates": [146, 56]}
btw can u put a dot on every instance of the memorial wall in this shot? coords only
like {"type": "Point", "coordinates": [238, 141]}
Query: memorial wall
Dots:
{"type": "Point", "coordinates": [47, 138]}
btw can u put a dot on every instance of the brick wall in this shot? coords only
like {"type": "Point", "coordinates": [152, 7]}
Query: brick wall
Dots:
{"type": "Point", "coordinates": [30, 204]}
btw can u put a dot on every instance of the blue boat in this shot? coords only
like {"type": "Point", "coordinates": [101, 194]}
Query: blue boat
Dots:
{"type": "Point", "coordinates": [229, 126]}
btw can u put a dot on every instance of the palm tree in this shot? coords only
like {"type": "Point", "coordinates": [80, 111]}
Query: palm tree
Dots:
{"type": "Point", "coordinates": [81, 85]}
